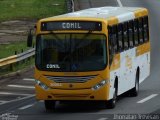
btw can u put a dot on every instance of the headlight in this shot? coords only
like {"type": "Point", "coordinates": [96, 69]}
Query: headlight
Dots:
{"type": "Point", "coordinates": [99, 85]}
{"type": "Point", "coordinates": [42, 85]}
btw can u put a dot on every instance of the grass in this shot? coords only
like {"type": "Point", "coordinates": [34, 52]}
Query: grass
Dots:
{"type": "Point", "coordinates": [9, 49]}
{"type": "Point", "coordinates": [25, 10]}
{"type": "Point", "coordinates": [30, 9]}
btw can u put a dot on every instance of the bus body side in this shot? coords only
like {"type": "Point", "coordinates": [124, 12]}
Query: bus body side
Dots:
{"type": "Point", "coordinates": [132, 56]}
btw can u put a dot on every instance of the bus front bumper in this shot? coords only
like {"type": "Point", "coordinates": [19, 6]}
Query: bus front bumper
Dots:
{"type": "Point", "coordinates": [80, 94]}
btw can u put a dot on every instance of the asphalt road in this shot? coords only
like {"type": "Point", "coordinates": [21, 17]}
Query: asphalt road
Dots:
{"type": "Point", "coordinates": [27, 108]}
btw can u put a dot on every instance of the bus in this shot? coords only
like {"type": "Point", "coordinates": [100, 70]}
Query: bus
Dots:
{"type": "Point", "coordinates": [94, 54]}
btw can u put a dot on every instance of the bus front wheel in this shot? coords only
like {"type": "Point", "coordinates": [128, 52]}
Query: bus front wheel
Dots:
{"type": "Point", "coordinates": [49, 105]}
{"type": "Point", "coordinates": [112, 103]}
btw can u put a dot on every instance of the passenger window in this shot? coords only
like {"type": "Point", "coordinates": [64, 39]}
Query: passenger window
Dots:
{"type": "Point", "coordinates": [130, 32]}
{"type": "Point", "coordinates": [146, 28]}
{"type": "Point", "coordinates": [125, 36]}
{"type": "Point", "coordinates": [113, 47]}
{"type": "Point", "coordinates": [136, 36]}
{"type": "Point", "coordinates": [113, 39]}
{"type": "Point", "coordinates": [140, 24]}
{"type": "Point", "coordinates": [109, 39]}
{"type": "Point", "coordinates": [120, 38]}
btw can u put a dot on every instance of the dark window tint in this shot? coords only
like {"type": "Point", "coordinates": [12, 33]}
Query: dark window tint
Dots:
{"type": "Point", "coordinates": [136, 36]}
{"type": "Point", "coordinates": [146, 28]}
{"type": "Point", "coordinates": [140, 25]}
{"type": "Point", "coordinates": [130, 32]}
{"type": "Point", "coordinates": [120, 37]}
{"type": "Point", "coordinates": [71, 52]}
{"type": "Point", "coordinates": [125, 35]}
{"type": "Point", "coordinates": [113, 47]}
{"type": "Point", "coordinates": [114, 38]}
{"type": "Point", "coordinates": [109, 39]}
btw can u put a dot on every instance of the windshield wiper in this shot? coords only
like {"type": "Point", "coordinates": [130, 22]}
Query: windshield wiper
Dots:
{"type": "Point", "coordinates": [88, 33]}
{"type": "Point", "coordinates": [55, 35]}
{"type": "Point", "coordinates": [81, 39]}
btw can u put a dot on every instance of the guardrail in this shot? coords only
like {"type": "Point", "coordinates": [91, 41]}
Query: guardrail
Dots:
{"type": "Point", "coordinates": [17, 58]}
{"type": "Point", "coordinates": [16, 62]}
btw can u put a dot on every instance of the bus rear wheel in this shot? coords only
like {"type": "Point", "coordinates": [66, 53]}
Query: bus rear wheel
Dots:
{"type": "Point", "coordinates": [49, 105]}
{"type": "Point", "coordinates": [134, 91]}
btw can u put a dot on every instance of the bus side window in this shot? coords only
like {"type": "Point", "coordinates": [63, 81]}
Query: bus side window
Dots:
{"type": "Point", "coordinates": [136, 36]}
{"type": "Point", "coordinates": [113, 47]}
{"type": "Point", "coordinates": [120, 38]}
{"type": "Point", "coordinates": [145, 28]}
{"type": "Point", "coordinates": [140, 25]}
{"type": "Point", "coordinates": [110, 39]}
{"type": "Point", "coordinates": [113, 39]}
{"type": "Point", "coordinates": [131, 35]}
{"type": "Point", "coordinates": [125, 36]}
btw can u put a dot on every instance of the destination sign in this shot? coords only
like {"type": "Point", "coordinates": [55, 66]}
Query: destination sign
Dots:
{"type": "Point", "coordinates": [71, 25]}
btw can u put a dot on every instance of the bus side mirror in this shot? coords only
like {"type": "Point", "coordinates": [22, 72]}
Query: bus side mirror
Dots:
{"type": "Point", "coordinates": [29, 38]}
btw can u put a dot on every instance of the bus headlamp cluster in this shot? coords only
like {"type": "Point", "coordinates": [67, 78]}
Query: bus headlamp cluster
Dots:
{"type": "Point", "coordinates": [99, 85]}
{"type": "Point", "coordinates": [42, 85]}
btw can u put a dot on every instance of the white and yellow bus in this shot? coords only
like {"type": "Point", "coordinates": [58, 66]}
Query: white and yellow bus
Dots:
{"type": "Point", "coordinates": [92, 54]}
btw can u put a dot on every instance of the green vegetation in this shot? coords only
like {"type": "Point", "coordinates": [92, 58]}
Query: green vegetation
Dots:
{"type": "Point", "coordinates": [9, 49]}
{"type": "Point", "coordinates": [25, 10]}
{"type": "Point", "coordinates": [30, 9]}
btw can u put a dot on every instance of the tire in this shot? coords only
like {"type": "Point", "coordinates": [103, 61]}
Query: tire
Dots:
{"type": "Point", "coordinates": [134, 91]}
{"type": "Point", "coordinates": [49, 105]}
{"type": "Point", "coordinates": [112, 103]}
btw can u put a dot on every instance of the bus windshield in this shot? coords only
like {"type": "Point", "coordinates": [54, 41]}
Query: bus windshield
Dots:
{"type": "Point", "coordinates": [71, 52]}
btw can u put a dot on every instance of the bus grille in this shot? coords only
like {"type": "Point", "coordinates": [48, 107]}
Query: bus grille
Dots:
{"type": "Point", "coordinates": [68, 79]}
{"type": "Point", "coordinates": [71, 96]}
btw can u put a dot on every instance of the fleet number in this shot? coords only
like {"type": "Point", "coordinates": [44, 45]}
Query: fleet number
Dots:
{"type": "Point", "coordinates": [55, 84]}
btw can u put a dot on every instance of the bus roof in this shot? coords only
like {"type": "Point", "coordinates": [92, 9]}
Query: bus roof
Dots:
{"type": "Point", "coordinates": [122, 13]}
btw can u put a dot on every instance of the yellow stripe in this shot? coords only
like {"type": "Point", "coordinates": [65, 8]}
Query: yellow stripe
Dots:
{"type": "Point", "coordinates": [112, 21]}
{"type": "Point", "coordinates": [140, 50]}
{"type": "Point", "coordinates": [141, 12]}
{"type": "Point", "coordinates": [128, 62]}
{"type": "Point", "coordinates": [116, 62]}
